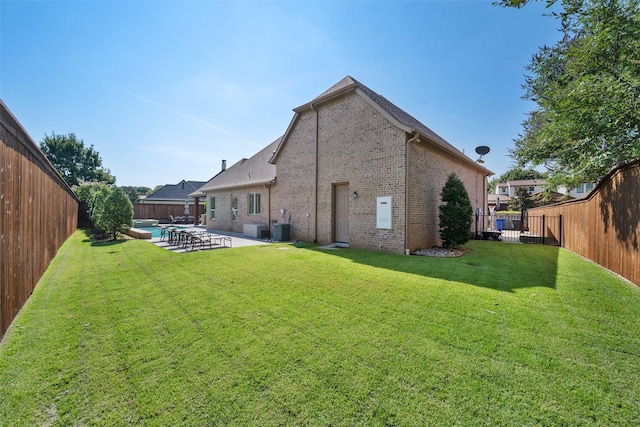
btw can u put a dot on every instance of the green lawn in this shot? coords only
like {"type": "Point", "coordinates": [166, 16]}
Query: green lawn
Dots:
{"type": "Point", "coordinates": [509, 334]}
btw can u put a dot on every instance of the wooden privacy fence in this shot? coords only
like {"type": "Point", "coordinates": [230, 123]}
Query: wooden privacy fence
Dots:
{"type": "Point", "coordinates": [161, 212]}
{"type": "Point", "coordinates": [38, 213]}
{"type": "Point", "coordinates": [605, 226]}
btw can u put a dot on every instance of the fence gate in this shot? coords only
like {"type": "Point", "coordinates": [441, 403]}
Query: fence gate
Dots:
{"type": "Point", "coordinates": [523, 228]}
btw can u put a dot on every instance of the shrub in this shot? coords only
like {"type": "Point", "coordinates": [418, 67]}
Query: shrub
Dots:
{"type": "Point", "coordinates": [110, 209]}
{"type": "Point", "coordinates": [456, 213]}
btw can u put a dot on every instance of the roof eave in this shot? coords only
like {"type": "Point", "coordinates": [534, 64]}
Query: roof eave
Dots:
{"type": "Point", "coordinates": [236, 186]}
{"type": "Point", "coordinates": [453, 151]}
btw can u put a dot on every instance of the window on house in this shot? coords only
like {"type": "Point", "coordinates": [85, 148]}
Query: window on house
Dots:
{"type": "Point", "coordinates": [254, 203]}
{"type": "Point", "coordinates": [589, 187]}
{"type": "Point", "coordinates": [532, 189]}
{"type": "Point", "coordinates": [234, 208]}
{"type": "Point", "coordinates": [212, 207]}
{"type": "Point", "coordinates": [580, 188]}
{"type": "Point", "coordinates": [503, 189]}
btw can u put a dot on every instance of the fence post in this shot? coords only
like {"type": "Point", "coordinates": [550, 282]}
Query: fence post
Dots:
{"type": "Point", "coordinates": [560, 227]}
{"type": "Point", "coordinates": [543, 230]}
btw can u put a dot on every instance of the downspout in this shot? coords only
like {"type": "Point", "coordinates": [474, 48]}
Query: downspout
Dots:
{"type": "Point", "coordinates": [414, 138]}
{"type": "Point", "coordinates": [315, 186]}
{"type": "Point", "coordinates": [268, 207]}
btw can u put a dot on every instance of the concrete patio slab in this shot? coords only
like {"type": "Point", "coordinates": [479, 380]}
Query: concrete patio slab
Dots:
{"type": "Point", "coordinates": [237, 241]}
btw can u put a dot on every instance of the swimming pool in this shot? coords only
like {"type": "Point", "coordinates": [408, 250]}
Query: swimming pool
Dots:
{"type": "Point", "coordinates": [155, 231]}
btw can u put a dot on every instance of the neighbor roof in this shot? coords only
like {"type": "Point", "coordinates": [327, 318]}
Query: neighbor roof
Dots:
{"type": "Point", "coordinates": [246, 172]}
{"type": "Point", "coordinates": [401, 118]}
{"type": "Point", "coordinates": [179, 191]}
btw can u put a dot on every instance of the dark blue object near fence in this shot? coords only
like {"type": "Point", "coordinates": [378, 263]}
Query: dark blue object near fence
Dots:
{"type": "Point", "coordinates": [499, 224]}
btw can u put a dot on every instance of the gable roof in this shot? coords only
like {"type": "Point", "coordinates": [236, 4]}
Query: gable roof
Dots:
{"type": "Point", "coordinates": [396, 115]}
{"type": "Point", "coordinates": [179, 191]}
{"type": "Point", "coordinates": [255, 170]}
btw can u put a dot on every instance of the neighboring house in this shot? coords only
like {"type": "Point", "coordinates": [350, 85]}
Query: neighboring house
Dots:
{"type": "Point", "coordinates": [498, 202]}
{"type": "Point", "coordinates": [505, 191]}
{"type": "Point", "coordinates": [582, 190]}
{"type": "Point", "coordinates": [241, 194]}
{"type": "Point", "coordinates": [351, 168]}
{"type": "Point", "coordinates": [509, 188]}
{"type": "Point", "coordinates": [169, 200]}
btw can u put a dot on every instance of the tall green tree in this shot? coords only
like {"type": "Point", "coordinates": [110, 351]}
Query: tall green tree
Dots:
{"type": "Point", "coordinates": [521, 200]}
{"type": "Point", "coordinates": [456, 213]}
{"type": "Point", "coordinates": [110, 209]}
{"type": "Point", "coordinates": [117, 213]}
{"type": "Point", "coordinates": [587, 91]}
{"type": "Point", "coordinates": [134, 192]}
{"type": "Point", "coordinates": [76, 163]}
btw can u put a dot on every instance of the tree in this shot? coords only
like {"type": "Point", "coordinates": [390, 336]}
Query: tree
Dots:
{"type": "Point", "coordinates": [98, 193]}
{"type": "Point", "coordinates": [521, 200]}
{"type": "Point", "coordinates": [587, 91]}
{"type": "Point", "coordinates": [456, 213]}
{"type": "Point", "coordinates": [116, 213]}
{"type": "Point", "coordinates": [109, 208]}
{"type": "Point", "coordinates": [134, 192]}
{"type": "Point", "coordinates": [76, 163]}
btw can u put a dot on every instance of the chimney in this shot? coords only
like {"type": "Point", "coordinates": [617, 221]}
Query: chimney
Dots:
{"type": "Point", "coordinates": [224, 165]}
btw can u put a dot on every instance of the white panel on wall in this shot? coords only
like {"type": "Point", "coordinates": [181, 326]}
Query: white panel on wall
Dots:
{"type": "Point", "coordinates": [383, 212]}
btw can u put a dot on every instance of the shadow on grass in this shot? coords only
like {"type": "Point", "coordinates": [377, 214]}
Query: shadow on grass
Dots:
{"type": "Point", "coordinates": [495, 265]}
{"type": "Point", "coordinates": [99, 241]}
{"type": "Point", "coordinates": [107, 243]}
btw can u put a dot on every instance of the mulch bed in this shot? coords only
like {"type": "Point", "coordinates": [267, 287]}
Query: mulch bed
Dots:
{"type": "Point", "coordinates": [437, 251]}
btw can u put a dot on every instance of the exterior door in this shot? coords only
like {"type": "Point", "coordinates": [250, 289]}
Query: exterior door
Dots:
{"type": "Point", "coordinates": [341, 212]}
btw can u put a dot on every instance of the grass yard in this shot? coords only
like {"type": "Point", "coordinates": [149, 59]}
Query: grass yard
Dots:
{"type": "Point", "coordinates": [509, 334]}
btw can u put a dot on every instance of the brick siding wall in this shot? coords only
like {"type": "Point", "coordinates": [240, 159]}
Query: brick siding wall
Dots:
{"type": "Point", "coordinates": [359, 146]}
{"type": "Point", "coordinates": [295, 183]}
{"type": "Point", "coordinates": [429, 168]}
{"type": "Point", "coordinates": [223, 220]}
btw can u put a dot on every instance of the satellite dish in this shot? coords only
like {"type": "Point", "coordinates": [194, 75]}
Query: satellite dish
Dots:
{"type": "Point", "coordinates": [482, 150]}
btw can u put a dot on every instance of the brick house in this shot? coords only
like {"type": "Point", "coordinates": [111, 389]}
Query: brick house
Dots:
{"type": "Point", "coordinates": [354, 168]}
{"type": "Point", "coordinates": [240, 196]}
{"type": "Point", "coordinates": [169, 200]}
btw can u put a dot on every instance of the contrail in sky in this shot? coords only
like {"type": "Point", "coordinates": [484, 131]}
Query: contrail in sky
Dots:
{"type": "Point", "coordinates": [195, 119]}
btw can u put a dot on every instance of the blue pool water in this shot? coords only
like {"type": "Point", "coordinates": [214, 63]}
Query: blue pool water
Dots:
{"type": "Point", "coordinates": [155, 231]}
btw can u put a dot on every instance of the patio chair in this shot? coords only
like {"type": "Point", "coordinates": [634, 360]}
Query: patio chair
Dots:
{"type": "Point", "coordinates": [163, 233]}
{"type": "Point", "coordinates": [221, 240]}
{"type": "Point", "coordinates": [201, 239]}
{"type": "Point", "coordinates": [173, 235]}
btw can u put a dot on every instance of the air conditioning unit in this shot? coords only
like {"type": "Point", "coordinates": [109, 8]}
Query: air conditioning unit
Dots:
{"type": "Point", "coordinates": [254, 230]}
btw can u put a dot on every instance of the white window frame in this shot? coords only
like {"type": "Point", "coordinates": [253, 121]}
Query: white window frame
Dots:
{"type": "Point", "coordinates": [212, 207]}
{"type": "Point", "coordinates": [234, 208]}
{"type": "Point", "coordinates": [255, 204]}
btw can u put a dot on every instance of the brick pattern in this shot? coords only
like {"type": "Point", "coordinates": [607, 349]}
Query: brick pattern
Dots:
{"type": "Point", "coordinates": [295, 182]}
{"type": "Point", "coordinates": [359, 146]}
{"type": "Point", "coordinates": [223, 220]}
{"type": "Point", "coordinates": [429, 168]}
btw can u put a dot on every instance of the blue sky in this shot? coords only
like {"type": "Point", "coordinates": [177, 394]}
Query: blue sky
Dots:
{"type": "Point", "coordinates": [165, 90]}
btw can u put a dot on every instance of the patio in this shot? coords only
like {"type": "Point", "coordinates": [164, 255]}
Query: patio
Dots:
{"type": "Point", "coordinates": [236, 240]}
